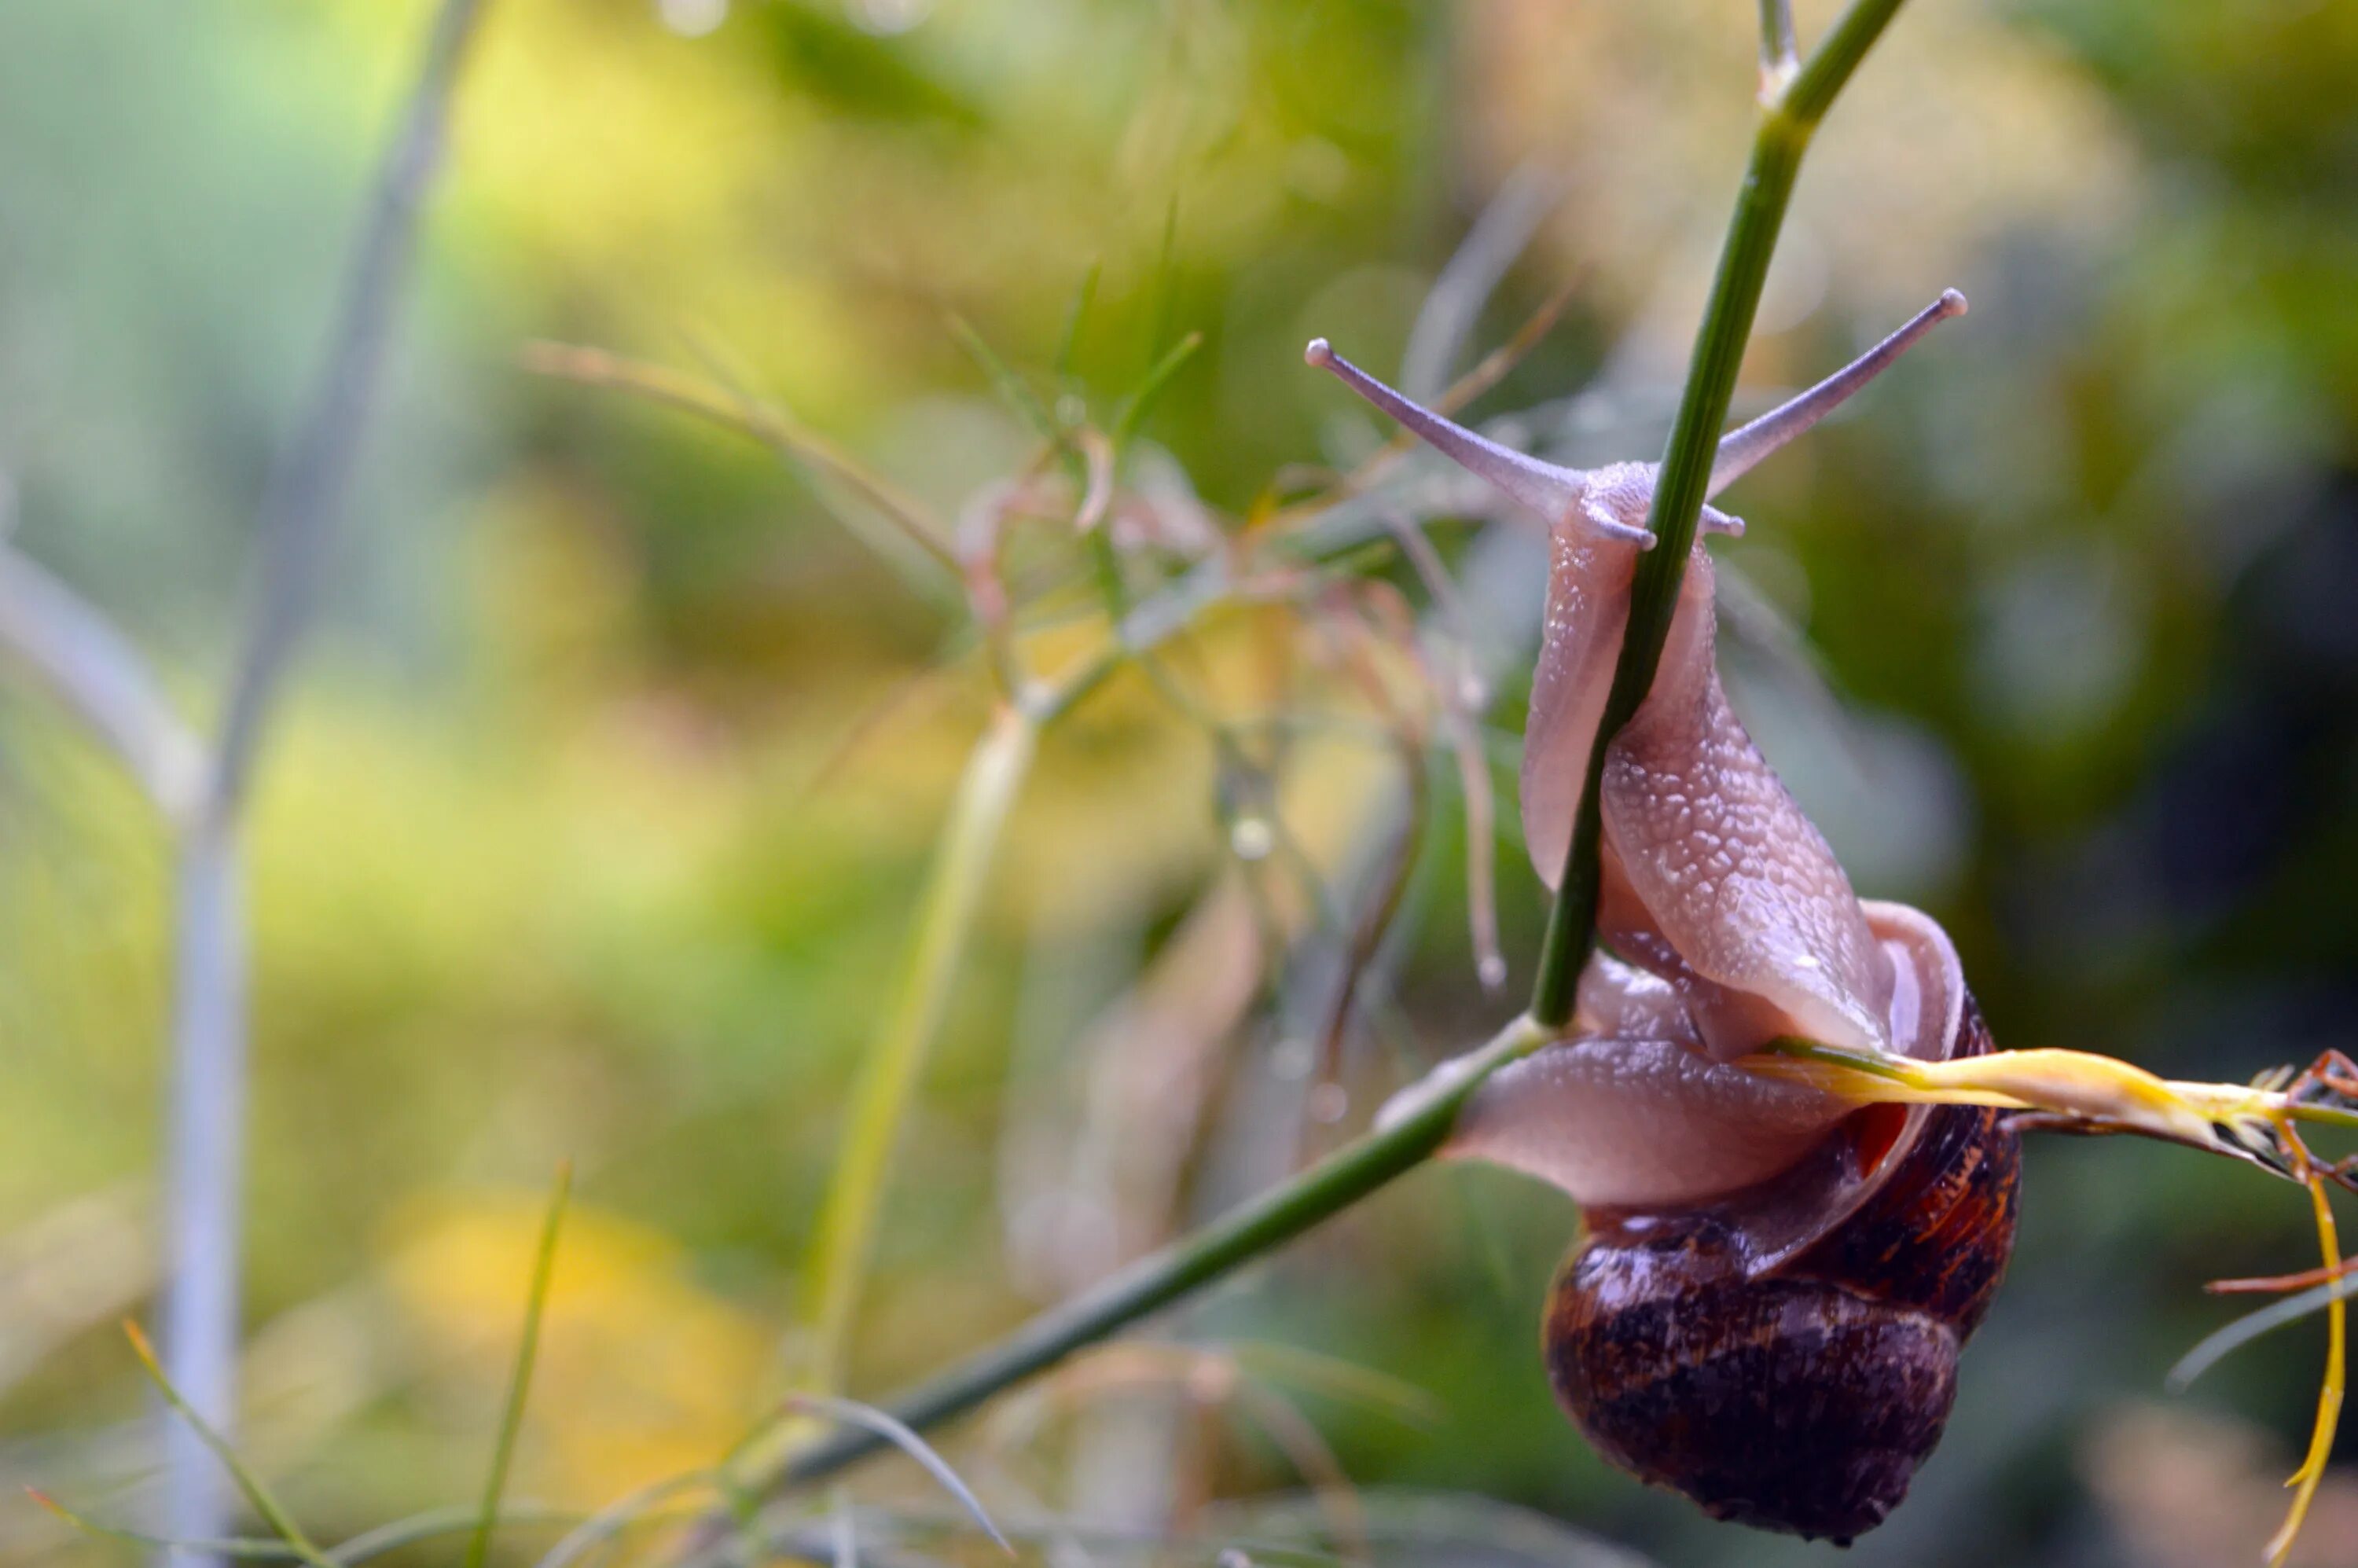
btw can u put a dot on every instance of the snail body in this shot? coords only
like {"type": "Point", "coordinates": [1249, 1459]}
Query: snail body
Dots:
{"type": "Point", "coordinates": [1766, 1306]}
{"type": "Point", "coordinates": [1786, 1356]}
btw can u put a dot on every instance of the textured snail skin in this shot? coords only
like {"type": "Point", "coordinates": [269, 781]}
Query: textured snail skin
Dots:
{"type": "Point", "coordinates": [1771, 1321]}
{"type": "Point", "coordinates": [1799, 1393]}
{"type": "Point", "coordinates": [1712, 877]}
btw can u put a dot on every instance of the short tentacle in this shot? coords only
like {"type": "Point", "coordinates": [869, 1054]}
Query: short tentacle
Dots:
{"type": "Point", "coordinates": [1600, 517]}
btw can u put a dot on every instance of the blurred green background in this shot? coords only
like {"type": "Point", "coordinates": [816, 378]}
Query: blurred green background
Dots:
{"type": "Point", "coordinates": [563, 851]}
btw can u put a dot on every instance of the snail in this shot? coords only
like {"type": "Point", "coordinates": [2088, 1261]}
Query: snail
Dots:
{"type": "Point", "coordinates": [1766, 1304]}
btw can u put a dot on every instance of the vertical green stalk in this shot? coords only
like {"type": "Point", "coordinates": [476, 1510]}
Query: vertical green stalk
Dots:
{"type": "Point", "coordinates": [896, 1059]}
{"type": "Point", "coordinates": [1418, 1129]}
{"type": "Point", "coordinates": [1791, 118]}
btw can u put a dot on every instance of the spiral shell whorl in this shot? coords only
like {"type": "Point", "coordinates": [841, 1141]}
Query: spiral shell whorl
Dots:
{"type": "Point", "coordinates": [1793, 1392]}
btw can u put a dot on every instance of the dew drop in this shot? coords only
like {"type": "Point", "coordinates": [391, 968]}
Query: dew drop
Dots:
{"type": "Point", "coordinates": [1252, 839]}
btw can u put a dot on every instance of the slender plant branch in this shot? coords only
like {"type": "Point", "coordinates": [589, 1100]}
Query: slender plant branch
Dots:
{"type": "Point", "coordinates": [763, 1463]}
{"type": "Point", "coordinates": [1416, 1128]}
{"type": "Point", "coordinates": [1791, 117]}
{"type": "Point", "coordinates": [308, 486]}
{"type": "Point", "coordinates": [306, 494]}
{"type": "Point", "coordinates": [1499, 236]}
{"type": "Point", "coordinates": [102, 679]}
{"type": "Point", "coordinates": [896, 1059]}
{"type": "Point", "coordinates": [205, 1161]}
{"type": "Point", "coordinates": [1162, 1278]}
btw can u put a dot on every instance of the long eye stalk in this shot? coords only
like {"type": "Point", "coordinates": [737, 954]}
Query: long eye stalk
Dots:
{"type": "Point", "coordinates": [1554, 492]}
{"type": "Point", "coordinates": [1741, 449]}
{"type": "Point", "coordinates": [1558, 494]}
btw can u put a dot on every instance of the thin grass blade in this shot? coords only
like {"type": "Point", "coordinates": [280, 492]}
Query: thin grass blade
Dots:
{"type": "Point", "coordinates": [868, 1418]}
{"type": "Point", "coordinates": [1012, 389]}
{"type": "Point", "coordinates": [1149, 391]}
{"type": "Point", "coordinates": [544, 1265]}
{"type": "Point", "coordinates": [259, 1496]}
{"type": "Point", "coordinates": [2220, 1344]}
{"type": "Point", "coordinates": [1069, 340]}
{"type": "Point", "coordinates": [433, 1524]}
{"type": "Point", "coordinates": [243, 1548]}
{"type": "Point", "coordinates": [618, 1516]}
{"type": "Point", "coordinates": [1336, 1378]}
{"type": "Point", "coordinates": [1164, 291]}
{"type": "Point", "coordinates": [896, 1061]}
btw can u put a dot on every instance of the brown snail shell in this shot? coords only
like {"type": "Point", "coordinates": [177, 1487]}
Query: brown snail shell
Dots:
{"type": "Point", "coordinates": [1787, 1356]}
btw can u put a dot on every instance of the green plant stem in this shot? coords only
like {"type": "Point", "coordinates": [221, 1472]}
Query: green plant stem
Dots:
{"type": "Point", "coordinates": [896, 1060]}
{"type": "Point", "coordinates": [265, 1505]}
{"type": "Point", "coordinates": [544, 1271]}
{"type": "Point", "coordinates": [1791, 118]}
{"type": "Point", "coordinates": [1400, 1144]}
{"type": "Point", "coordinates": [1403, 1141]}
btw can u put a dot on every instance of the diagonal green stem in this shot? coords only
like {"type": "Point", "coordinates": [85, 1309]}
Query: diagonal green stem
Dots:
{"type": "Point", "coordinates": [896, 1060]}
{"type": "Point", "coordinates": [1405, 1140]}
{"type": "Point", "coordinates": [1791, 118]}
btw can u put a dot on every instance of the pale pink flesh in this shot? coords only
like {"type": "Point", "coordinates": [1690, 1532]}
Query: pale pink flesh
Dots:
{"type": "Point", "coordinates": [1725, 870]}
{"type": "Point", "coordinates": [1714, 877]}
{"type": "Point", "coordinates": [1629, 1113]}
{"type": "Point", "coordinates": [1587, 611]}
{"type": "Point", "coordinates": [1636, 1116]}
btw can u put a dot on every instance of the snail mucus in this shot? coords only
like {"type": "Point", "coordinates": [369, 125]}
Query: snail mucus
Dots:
{"type": "Point", "coordinates": [1765, 1307]}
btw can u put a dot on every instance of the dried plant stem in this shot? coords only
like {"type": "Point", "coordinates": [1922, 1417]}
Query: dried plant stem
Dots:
{"type": "Point", "coordinates": [764, 422]}
{"type": "Point", "coordinates": [1792, 111]}
{"type": "Point", "coordinates": [2305, 1480]}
